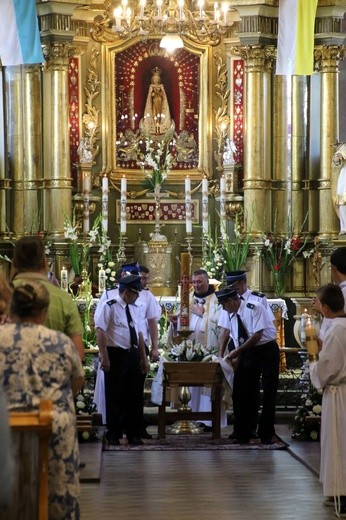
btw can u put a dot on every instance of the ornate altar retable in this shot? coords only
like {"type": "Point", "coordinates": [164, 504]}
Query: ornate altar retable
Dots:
{"type": "Point", "coordinates": [194, 373]}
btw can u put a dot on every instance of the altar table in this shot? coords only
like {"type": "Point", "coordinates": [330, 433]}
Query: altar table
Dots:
{"type": "Point", "coordinates": [179, 374]}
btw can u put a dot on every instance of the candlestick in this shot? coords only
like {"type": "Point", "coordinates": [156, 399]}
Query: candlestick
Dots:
{"type": "Point", "coordinates": [105, 203]}
{"type": "Point", "coordinates": [123, 205]}
{"type": "Point", "coordinates": [223, 206]}
{"type": "Point", "coordinates": [311, 341]}
{"type": "Point", "coordinates": [205, 215]}
{"type": "Point", "coordinates": [63, 279]}
{"type": "Point", "coordinates": [102, 280]}
{"type": "Point", "coordinates": [184, 291]}
{"type": "Point", "coordinates": [188, 208]}
{"type": "Point", "coordinates": [86, 202]}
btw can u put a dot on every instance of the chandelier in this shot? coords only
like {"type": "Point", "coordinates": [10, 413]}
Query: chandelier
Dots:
{"type": "Point", "coordinates": [170, 19]}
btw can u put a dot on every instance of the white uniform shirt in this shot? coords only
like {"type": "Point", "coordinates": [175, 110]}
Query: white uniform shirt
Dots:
{"type": "Point", "coordinates": [148, 309]}
{"type": "Point", "coordinates": [254, 318]}
{"type": "Point", "coordinates": [113, 321]}
{"type": "Point", "coordinates": [247, 296]}
{"type": "Point", "coordinates": [106, 295]}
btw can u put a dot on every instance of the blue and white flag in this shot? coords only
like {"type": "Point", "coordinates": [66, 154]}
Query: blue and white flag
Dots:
{"type": "Point", "coordinates": [20, 38]}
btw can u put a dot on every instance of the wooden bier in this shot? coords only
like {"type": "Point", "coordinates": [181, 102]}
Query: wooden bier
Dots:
{"type": "Point", "coordinates": [194, 373]}
{"type": "Point", "coordinates": [38, 424]}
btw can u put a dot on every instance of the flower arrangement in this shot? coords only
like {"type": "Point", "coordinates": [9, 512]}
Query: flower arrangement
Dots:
{"type": "Point", "coordinates": [306, 425]}
{"type": "Point", "coordinates": [279, 254]}
{"type": "Point", "coordinates": [227, 253]}
{"type": "Point", "coordinates": [189, 350]}
{"type": "Point", "coordinates": [235, 250]}
{"type": "Point", "coordinates": [84, 401]}
{"type": "Point", "coordinates": [155, 159]}
{"type": "Point", "coordinates": [212, 259]}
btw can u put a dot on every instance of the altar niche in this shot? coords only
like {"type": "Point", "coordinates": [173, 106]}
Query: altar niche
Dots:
{"type": "Point", "coordinates": [146, 77]}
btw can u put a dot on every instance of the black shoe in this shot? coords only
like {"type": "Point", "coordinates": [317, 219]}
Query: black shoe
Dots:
{"type": "Point", "coordinates": [135, 441]}
{"type": "Point", "coordinates": [146, 435]}
{"type": "Point", "coordinates": [243, 440]}
{"type": "Point", "coordinates": [232, 436]}
{"type": "Point", "coordinates": [253, 435]}
{"type": "Point", "coordinates": [267, 441]}
{"type": "Point", "coordinates": [207, 429]}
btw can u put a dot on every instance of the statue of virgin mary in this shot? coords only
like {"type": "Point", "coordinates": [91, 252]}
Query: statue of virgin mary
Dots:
{"type": "Point", "coordinates": [157, 118]}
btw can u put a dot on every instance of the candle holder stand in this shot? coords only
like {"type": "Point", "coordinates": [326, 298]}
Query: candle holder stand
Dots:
{"type": "Point", "coordinates": [122, 248]}
{"type": "Point", "coordinates": [184, 426]}
{"type": "Point", "coordinates": [189, 239]}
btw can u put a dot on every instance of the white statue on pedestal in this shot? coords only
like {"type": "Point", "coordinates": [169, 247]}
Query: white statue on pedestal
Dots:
{"type": "Point", "coordinates": [85, 151]}
{"type": "Point", "coordinates": [339, 163]}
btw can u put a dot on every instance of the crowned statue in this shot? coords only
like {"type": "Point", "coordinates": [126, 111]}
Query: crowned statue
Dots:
{"type": "Point", "coordinates": [157, 117]}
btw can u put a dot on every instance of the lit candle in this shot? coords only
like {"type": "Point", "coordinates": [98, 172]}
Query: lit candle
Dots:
{"type": "Point", "coordinates": [303, 319]}
{"type": "Point", "coordinates": [223, 205]}
{"type": "Point", "coordinates": [123, 205]}
{"type": "Point", "coordinates": [188, 209]}
{"type": "Point", "coordinates": [142, 6]}
{"type": "Point", "coordinates": [102, 280]}
{"type": "Point", "coordinates": [63, 279]}
{"type": "Point", "coordinates": [184, 291]}
{"type": "Point", "coordinates": [105, 203]}
{"type": "Point", "coordinates": [311, 341]}
{"type": "Point", "coordinates": [224, 8]}
{"type": "Point", "coordinates": [205, 219]}
{"type": "Point", "coordinates": [216, 8]}
{"type": "Point", "coordinates": [86, 202]}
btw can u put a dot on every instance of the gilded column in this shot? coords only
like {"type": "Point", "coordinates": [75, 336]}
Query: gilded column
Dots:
{"type": "Point", "coordinates": [257, 145]}
{"type": "Point", "coordinates": [24, 145]}
{"type": "Point", "coordinates": [281, 194]}
{"type": "Point", "coordinates": [57, 177]}
{"type": "Point", "coordinates": [299, 152]}
{"type": "Point", "coordinates": [328, 58]}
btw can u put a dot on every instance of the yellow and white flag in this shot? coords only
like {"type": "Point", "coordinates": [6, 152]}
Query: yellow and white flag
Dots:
{"type": "Point", "coordinates": [295, 51]}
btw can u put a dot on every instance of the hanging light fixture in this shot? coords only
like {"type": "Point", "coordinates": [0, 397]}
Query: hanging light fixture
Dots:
{"type": "Point", "coordinates": [171, 19]}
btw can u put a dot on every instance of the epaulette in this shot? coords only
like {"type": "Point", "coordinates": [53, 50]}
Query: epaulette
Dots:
{"type": "Point", "coordinates": [111, 302]}
{"type": "Point", "coordinates": [256, 293]}
{"type": "Point", "coordinates": [250, 305]}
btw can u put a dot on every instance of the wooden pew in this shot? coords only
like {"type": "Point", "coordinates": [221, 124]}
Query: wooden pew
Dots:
{"type": "Point", "coordinates": [30, 432]}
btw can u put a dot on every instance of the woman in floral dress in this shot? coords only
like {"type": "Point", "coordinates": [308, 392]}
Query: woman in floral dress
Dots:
{"type": "Point", "coordinates": [38, 363]}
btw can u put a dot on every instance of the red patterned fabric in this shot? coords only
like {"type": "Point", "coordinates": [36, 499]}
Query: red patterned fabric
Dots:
{"type": "Point", "coordinates": [73, 81]}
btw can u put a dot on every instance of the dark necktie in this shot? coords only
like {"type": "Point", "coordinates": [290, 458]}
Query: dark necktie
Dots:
{"type": "Point", "coordinates": [242, 333]}
{"type": "Point", "coordinates": [133, 334]}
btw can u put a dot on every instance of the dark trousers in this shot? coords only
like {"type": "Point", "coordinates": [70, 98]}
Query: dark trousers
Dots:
{"type": "Point", "coordinates": [123, 392]}
{"type": "Point", "coordinates": [258, 364]}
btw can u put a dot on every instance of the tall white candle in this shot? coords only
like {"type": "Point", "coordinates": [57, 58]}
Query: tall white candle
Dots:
{"type": "Point", "coordinates": [205, 223]}
{"type": "Point", "coordinates": [63, 279]}
{"type": "Point", "coordinates": [102, 280]}
{"type": "Point", "coordinates": [86, 201]}
{"type": "Point", "coordinates": [188, 208]}
{"type": "Point", "coordinates": [123, 205]}
{"type": "Point", "coordinates": [105, 203]}
{"type": "Point", "coordinates": [223, 205]}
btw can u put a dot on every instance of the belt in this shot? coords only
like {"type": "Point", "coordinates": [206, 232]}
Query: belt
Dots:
{"type": "Point", "coordinates": [122, 349]}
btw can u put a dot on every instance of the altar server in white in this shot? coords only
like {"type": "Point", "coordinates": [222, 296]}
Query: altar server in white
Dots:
{"type": "Point", "coordinates": [328, 372]}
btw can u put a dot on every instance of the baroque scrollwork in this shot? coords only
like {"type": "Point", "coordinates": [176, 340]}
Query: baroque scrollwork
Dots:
{"type": "Point", "coordinates": [91, 116]}
{"type": "Point", "coordinates": [222, 118]}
